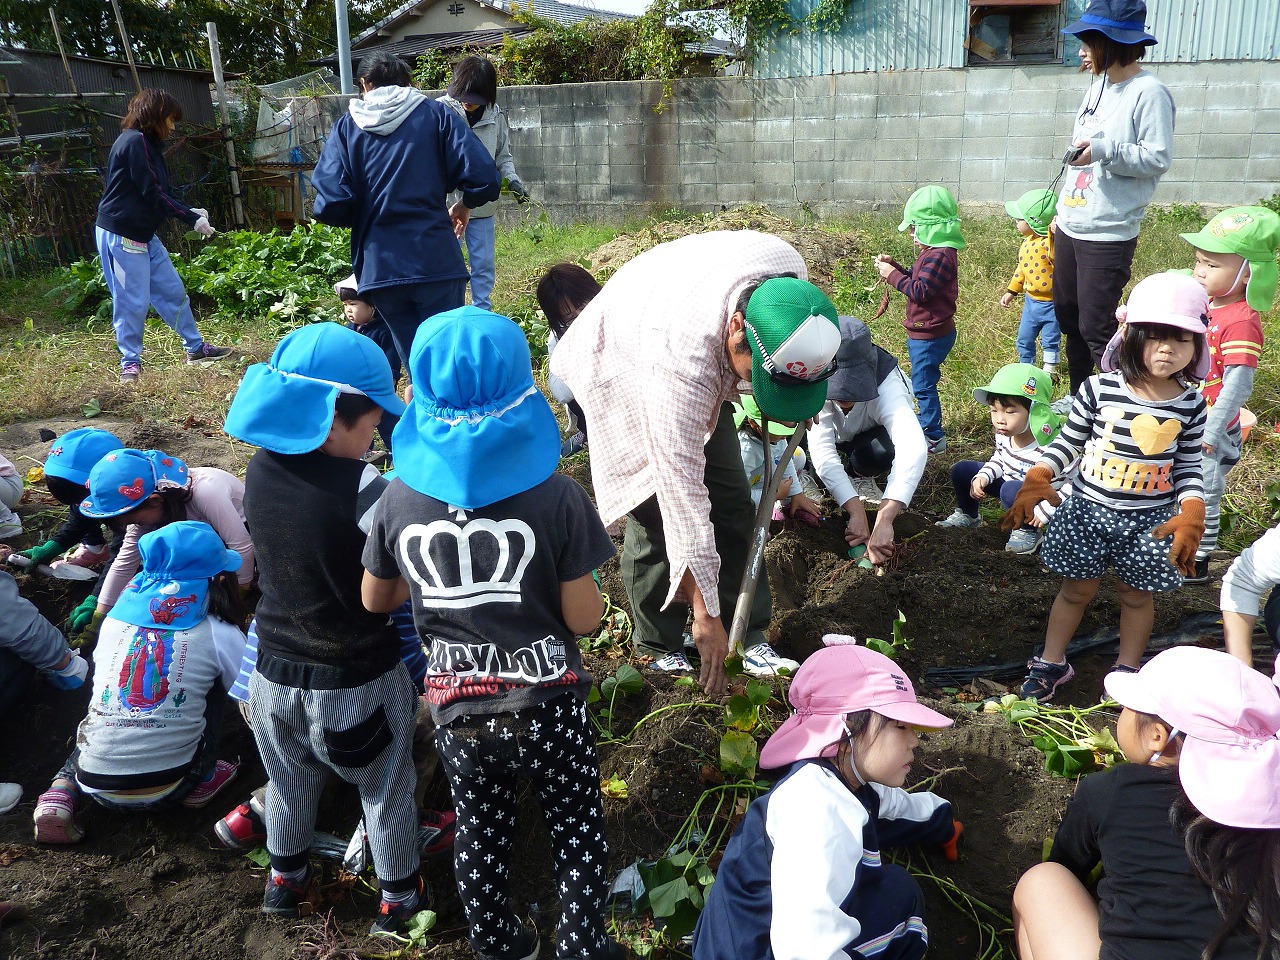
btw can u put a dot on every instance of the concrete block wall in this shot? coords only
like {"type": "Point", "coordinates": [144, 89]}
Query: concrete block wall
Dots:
{"type": "Point", "coordinates": [842, 143]}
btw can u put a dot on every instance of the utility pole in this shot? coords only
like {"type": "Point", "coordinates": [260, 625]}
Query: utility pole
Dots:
{"type": "Point", "coordinates": [344, 46]}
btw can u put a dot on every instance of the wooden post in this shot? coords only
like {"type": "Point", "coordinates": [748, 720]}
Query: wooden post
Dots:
{"type": "Point", "coordinates": [62, 51]}
{"type": "Point", "coordinates": [237, 205]}
{"type": "Point", "coordinates": [128, 50]}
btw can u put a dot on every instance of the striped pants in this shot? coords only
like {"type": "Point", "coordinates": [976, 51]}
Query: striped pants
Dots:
{"type": "Point", "coordinates": [364, 735]}
{"type": "Point", "coordinates": [1214, 472]}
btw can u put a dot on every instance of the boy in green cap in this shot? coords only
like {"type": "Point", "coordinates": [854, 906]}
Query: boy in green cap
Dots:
{"type": "Point", "coordinates": [1033, 212]}
{"type": "Point", "coordinates": [1236, 265]}
{"type": "Point", "coordinates": [931, 288]}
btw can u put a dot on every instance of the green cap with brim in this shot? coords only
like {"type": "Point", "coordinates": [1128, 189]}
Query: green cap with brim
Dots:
{"type": "Point", "coordinates": [1036, 207]}
{"type": "Point", "coordinates": [1029, 382]}
{"type": "Point", "coordinates": [933, 212]}
{"type": "Point", "coordinates": [793, 325]}
{"type": "Point", "coordinates": [746, 408]}
{"type": "Point", "coordinates": [1252, 233]}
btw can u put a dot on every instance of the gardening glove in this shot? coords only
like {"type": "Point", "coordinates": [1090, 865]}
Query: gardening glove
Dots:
{"type": "Point", "coordinates": [49, 550]}
{"type": "Point", "coordinates": [951, 849]}
{"type": "Point", "coordinates": [204, 227]}
{"type": "Point", "coordinates": [1187, 529]}
{"type": "Point", "coordinates": [71, 676]}
{"type": "Point", "coordinates": [200, 212]}
{"type": "Point", "coordinates": [89, 635]}
{"type": "Point", "coordinates": [1037, 486]}
{"type": "Point", "coordinates": [80, 615]}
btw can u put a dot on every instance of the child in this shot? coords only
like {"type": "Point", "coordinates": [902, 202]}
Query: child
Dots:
{"type": "Point", "coordinates": [473, 94]}
{"type": "Point", "coordinates": [1033, 211]}
{"type": "Point", "coordinates": [66, 474]}
{"type": "Point", "coordinates": [1253, 573]}
{"type": "Point", "coordinates": [10, 494]}
{"type": "Point", "coordinates": [564, 290]}
{"type": "Point", "coordinates": [1018, 397]}
{"type": "Point", "coordinates": [496, 551]}
{"type": "Point", "coordinates": [1236, 265]}
{"type": "Point", "coordinates": [136, 491]}
{"type": "Point", "coordinates": [747, 417]}
{"type": "Point", "coordinates": [165, 658]}
{"type": "Point", "coordinates": [1187, 872]}
{"type": "Point", "coordinates": [803, 875]}
{"type": "Point", "coordinates": [330, 693]}
{"type": "Point", "coordinates": [931, 288]}
{"type": "Point", "coordinates": [1138, 426]}
{"type": "Point", "coordinates": [363, 317]}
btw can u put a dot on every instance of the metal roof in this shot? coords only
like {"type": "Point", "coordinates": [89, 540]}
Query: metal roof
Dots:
{"type": "Point", "coordinates": [412, 47]}
{"type": "Point", "coordinates": [550, 9]}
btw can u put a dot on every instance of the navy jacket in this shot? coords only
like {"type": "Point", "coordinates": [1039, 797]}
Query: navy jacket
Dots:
{"type": "Point", "coordinates": [138, 198]}
{"type": "Point", "coordinates": [390, 190]}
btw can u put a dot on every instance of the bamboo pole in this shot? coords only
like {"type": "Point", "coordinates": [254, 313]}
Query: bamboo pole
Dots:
{"type": "Point", "coordinates": [128, 50]}
{"type": "Point", "coordinates": [233, 169]}
{"type": "Point", "coordinates": [62, 52]}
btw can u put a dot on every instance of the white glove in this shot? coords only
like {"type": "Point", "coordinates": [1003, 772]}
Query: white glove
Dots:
{"type": "Point", "coordinates": [204, 227]}
{"type": "Point", "coordinates": [72, 675]}
{"type": "Point", "coordinates": [200, 212]}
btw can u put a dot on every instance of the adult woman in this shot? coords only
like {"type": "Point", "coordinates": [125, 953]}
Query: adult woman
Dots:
{"type": "Point", "coordinates": [136, 199]}
{"type": "Point", "coordinates": [1124, 138]}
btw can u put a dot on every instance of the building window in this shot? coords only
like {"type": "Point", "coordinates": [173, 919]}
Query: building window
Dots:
{"type": "Point", "coordinates": [1014, 32]}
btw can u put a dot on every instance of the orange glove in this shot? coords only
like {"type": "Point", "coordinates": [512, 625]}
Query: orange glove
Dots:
{"type": "Point", "coordinates": [1187, 529]}
{"type": "Point", "coordinates": [950, 849]}
{"type": "Point", "coordinates": [1036, 487]}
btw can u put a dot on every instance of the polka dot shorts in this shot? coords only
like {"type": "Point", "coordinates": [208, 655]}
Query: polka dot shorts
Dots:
{"type": "Point", "coordinates": [1084, 538]}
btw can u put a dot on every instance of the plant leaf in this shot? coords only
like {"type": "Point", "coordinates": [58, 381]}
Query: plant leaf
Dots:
{"type": "Point", "coordinates": [629, 679]}
{"type": "Point", "coordinates": [741, 714]}
{"type": "Point", "coordinates": [91, 407]}
{"type": "Point", "coordinates": [738, 755]}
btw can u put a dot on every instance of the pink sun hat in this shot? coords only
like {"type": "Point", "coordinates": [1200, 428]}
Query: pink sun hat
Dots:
{"type": "Point", "coordinates": [837, 680]}
{"type": "Point", "coordinates": [1172, 299]}
{"type": "Point", "coordinates": [1229, 715]}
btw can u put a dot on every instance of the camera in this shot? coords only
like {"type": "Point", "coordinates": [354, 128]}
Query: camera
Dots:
{"type": "Point", "coordinates": [1073, 152]}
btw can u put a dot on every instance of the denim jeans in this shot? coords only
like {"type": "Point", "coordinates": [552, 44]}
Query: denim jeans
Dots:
{"type": "Point", "coordinates": [480, 256]}
{"type": "Point", "coordinates": [962, 475]}
{"type": "Point", "coordinates": [926, 370]}
{"type": "Point", "coordinates": [1038, 320]}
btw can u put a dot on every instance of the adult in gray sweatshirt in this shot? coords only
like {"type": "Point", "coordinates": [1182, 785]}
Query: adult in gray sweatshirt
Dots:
{"type": "Point", "coordinates": [1124, 138]}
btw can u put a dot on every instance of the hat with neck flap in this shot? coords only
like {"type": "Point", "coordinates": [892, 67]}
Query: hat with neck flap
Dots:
{"type": "Point", "coordinates": [933, 212]}
{"type": "Point", "coordinates": [1252, 233]}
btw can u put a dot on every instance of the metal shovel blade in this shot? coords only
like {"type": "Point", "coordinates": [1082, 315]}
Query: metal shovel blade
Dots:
{"type": "Point", "coordinates": [63, 571]}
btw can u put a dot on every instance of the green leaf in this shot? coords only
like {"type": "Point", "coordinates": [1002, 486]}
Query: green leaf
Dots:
{"type": "Point", "coordinates": [879, 646]}
{"type": "Point", "coordinates": [607, 686]}
{"type": "Point", "coordinates": [91, 407]}
{"type": "Point", "coordinates": [259, 856]}
{"type": "Point", "coordinates": [593, 695]}
{"type": "Point", "coordinates": [419, 924]}
{"type": "Point", "coordinates": [629, 679]}
{"type": "Point", "coordinates": [741, 714]}
{"type": "Point", "coordinates": [1069, 761]}
{"type": "Point", "coordinates": [686, 682]}
{"type": "Point", "coordinates": [738, 755]}
{"type": "Point", "coordinates": [759, 692]}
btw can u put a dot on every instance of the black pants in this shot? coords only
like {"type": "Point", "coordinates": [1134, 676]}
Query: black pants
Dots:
{"type": "Point", "coordinates": [870, 453]}
{"type": "Point", "coordinates": [1088, 279]}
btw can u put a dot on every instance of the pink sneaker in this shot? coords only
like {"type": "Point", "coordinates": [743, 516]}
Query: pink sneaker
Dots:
{"type": "Point", "coordinates": [224, 771]}
{"type": "Point", "coordinates": [87, 556]}
{"type": "Point", "coordinates": [55, 818]}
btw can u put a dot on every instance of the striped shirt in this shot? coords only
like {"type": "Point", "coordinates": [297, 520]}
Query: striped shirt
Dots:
{"type": "Point", "coordinates": [646, 359]}
{"type": "Point", "coordinates": [1234, 338]}
{"type": "Point", "coordinates": [1010, 462]}
{"type": "Point", "coordinates": [931, 288]}
{"type": "Point", "coordinates": [1134, 453]}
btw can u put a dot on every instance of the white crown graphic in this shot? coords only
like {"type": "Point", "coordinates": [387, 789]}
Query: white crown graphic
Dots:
{"type": "Point", "coordinates": [480, 562]}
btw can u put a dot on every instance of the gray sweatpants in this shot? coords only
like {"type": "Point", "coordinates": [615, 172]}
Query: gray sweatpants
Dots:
{"type": "Point", "coordinates": [364, 735]}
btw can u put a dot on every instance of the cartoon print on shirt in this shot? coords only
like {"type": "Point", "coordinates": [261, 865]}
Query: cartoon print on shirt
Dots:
{"type": "Point", "coordinates": [1076, 195]}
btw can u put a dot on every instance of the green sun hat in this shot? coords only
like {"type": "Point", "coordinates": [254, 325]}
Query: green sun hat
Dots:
{"type": "Point", "coordinates": [794, 335]}
{"type": "Point", "coordinates": [933, 212]}
{"type": "Point", "coordinates": [1036, 207]}
{"type": "Point", "coordinates": [1252, 233]}
{"type": "Point", "coordinates": [746, 408]}
{"type": "Point", "coordinates": [1028, 381]}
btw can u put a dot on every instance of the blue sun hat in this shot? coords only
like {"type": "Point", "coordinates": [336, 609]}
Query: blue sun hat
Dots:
{"type": "Point", "coordinates": [122, 479]}
{"type": "Point", "coordinates": [1124, 21]}
{"type": "Point", "coordinates": [478, 430]}
{"type": "Point", "coordinates": [286, 405]}
{"type": "Point", "coordinates": [171, 591]}
{"type": "Point", "coordinates": [74, 453]}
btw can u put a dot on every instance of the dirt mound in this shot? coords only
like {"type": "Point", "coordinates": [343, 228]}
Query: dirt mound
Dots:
{"type": "Point", "coordinates": [823, 252]}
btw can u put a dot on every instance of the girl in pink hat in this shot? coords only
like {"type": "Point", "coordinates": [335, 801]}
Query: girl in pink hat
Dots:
{"type": "Point", "coordinates": [1138, 500]}
{"type": "Point", "coordinates": [1187, 832]}
{"type": "Point", "coordinates": [803, 875]}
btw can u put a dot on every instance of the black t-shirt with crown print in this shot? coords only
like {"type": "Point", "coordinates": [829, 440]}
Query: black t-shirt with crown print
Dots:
{"type": "Point", "coordinates": [485, 590]}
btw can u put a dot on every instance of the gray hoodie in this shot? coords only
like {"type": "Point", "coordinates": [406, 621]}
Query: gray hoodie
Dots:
{"type": "Point", "coordinates": [492, 130]}
{"type": "Point", "coordinates": [383, 109]}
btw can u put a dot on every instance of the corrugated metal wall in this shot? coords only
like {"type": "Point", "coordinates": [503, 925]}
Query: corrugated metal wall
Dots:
{"type": "Point", "coordinates": [1193, 30]}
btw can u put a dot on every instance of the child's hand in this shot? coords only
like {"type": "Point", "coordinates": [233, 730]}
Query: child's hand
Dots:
{"type": "Point", "coordinates": [801, 506]}
{"type": "Point", "coordinates": [884, 266]}
{"type": "Point", "coordinates": [1207, 449]}
{"type": "Point", "coordinates": [1007, 298]}
{"type": "Point", "coordinates": [978, 488]}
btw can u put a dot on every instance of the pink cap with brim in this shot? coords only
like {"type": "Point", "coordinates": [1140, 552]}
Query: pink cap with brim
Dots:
{"type": "Point", "coordinates": [1168, 299]}
{"type": "Point", "coordinates": [835, 681]}
{"type": "Point", "coordinates": [1229, 715]}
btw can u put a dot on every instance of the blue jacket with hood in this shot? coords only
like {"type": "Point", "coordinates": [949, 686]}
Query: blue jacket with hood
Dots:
{"type": "Point", "coordinates": [386, 171]}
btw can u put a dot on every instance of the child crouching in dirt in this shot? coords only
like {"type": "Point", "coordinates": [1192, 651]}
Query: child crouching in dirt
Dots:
{"type": "Point", "coordinates": [363, 317]}
{"type": "Point", "coordinates": [165, 658]}
{"type": "Point", "coordinates": [803, 874]}
{"type": "Point", "coordinates": [791, 498]}
{"type": "Point", "coordinates": [1018, 397]}
{"type": "Point", "coordinates": [564, 290]}
{"type": "Point", "coordinates": [1187, 832]}
{"type": "Point", "coordinates": [496, 551]}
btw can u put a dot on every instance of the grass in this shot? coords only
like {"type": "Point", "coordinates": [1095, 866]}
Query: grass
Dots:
{"type": "Point", "coordinates": [58, 361]}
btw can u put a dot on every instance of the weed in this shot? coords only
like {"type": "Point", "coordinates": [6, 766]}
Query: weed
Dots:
{"type": "Point", "coordinates": [1071, 745]}
{"type": "Point", "coordinates": [898, 643]}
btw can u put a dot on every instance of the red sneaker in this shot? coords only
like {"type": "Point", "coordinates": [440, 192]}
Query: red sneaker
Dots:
{"type": "Point", "coordinates": [224, 771]}
{"type": "Point", "coordinates": [244, 827]}
{"type": "Point", "coordinates": [90, 557]}
{"type": "Point", "coordinates": [436, 831]}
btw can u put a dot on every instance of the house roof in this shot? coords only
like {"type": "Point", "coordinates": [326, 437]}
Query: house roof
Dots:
{"type": "Point", "coordinates": [412, 47]}
{"type": "Point", "coordinates": [550, 9]}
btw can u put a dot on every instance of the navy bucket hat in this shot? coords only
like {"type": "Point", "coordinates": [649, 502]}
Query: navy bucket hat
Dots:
{"type": "Point", "coordinates": [1123, 21]}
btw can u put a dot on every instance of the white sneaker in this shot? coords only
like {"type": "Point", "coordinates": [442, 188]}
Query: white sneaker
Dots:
{"type": "Point", "coordinates": [809, 486]}
{"type": "Point", "coordinates": [1024, 540]}
{"type": "Point", "coordinates": [959, 518]}
{"type": "Point", "coordinates": [10, 528]}
{"type": "Point", "coordinates": [764, 661]}
{"type": "Point", "coordinates": [867, 489]}
{"type": "Point", "coordinates": [937, 446]}
{"type": "Point", "coordinates": [673, 663]}
{"type": "Point", "coordinates": [1062, 407]}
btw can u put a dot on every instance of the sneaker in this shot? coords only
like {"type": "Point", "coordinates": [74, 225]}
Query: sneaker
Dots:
{"type": "Point", "coordinates": [10, 794]}
{"type": "Point", "coordinates": [1044, 679]}
{"type": "Point", "coordinates": [207, 351]}
{"type": "Point", "coordinates": [130, 372]}
{"type": "Point", "coordinates": [809, 486]}
{"type": "Point", "coordinates": [224, 771]}
{"type": "Point", "coordinates": [245, 827]}
{"type": "Point", "coordinates": [1202, 571]}
{"type": "Point", "coordinates": [1024, 540]}
{"type": "Point", "coordinates": [673, 663]}
{"type": "Point", "coordinates": [10, 528]}
{"type": "Point", "coordinates": [764, 661]}
{"type": "Point", "coordinates": [1062, 407]}
{"type": "Point", "coordinates": [937, 446]}
{"type": "Point", "coordinates": [436, 831]}
{"type": "Point", "coordinates": [1122, 668]}
{"type": "Point", "coordinates": [867, 489]}
{"type": "Point", "coordinates": [573, 444]}
{"type": "Point", "coordinates": [959, 518]}
{"type": "Point", "coordinates": [55, 818]}
{"type": "Point", "coordinates": [91, 558]}
{"type": "Point", "coordinates": [393, 918]}
{"type": "Point", "coordinates": [285, 899]}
